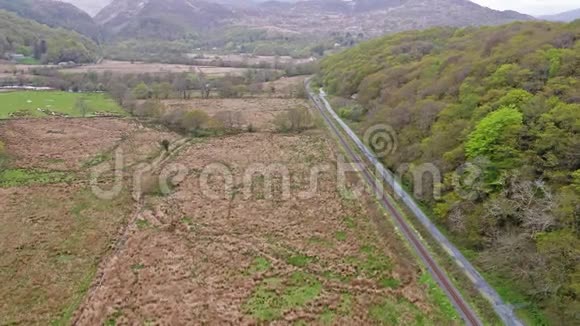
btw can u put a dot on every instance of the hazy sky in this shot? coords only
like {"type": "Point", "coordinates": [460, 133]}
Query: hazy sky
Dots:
{"type": "Point", "coordinates": [531, 7]}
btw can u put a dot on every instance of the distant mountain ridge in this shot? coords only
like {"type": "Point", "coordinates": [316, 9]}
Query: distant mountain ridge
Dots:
{"type": "Point", "coordinates": [174, 18]}
{"type": "Point", "coordinates": [378, 17]}
{"type": "Point", "coordinates": [566, 16]}
{"type": "Point", "coordinates": [166, 19]}
{"type": "Point", "coordinates": [92, 7]}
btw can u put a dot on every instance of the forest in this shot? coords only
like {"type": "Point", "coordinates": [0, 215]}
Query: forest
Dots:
{"type": "Point", "coordinates": [42, 43]}
{"type": "Point", "coordinates": [497, 111]}
{"type": "Point", "coordinates": [226, 40]}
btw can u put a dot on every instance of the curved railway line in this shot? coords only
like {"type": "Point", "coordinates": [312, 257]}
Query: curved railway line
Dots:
{"type": "Point", "coordinates": [462, 306]}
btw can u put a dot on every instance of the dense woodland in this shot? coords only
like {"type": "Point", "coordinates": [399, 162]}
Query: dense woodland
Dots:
{"type": "Point", "coordinates": [229, 40]}
{"type": "Point", "coordinates": [43, 43]}
{"type": "Point", "coordinates": [507, 100]}
{"type": "Point", "coordinates": [54, 14]}
{"type": "Point", "coordinates": [162, 39]}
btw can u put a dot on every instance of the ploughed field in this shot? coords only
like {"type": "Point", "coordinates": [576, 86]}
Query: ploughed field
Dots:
{"type": "Point", "coordinates": [198, 234]}
{"type": "Point", "coordinates": [213, 59]}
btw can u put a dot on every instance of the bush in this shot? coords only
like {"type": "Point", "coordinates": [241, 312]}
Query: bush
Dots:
{"type": "Point", "coordinates": [294, 120]}
{"type": "Point", "coordinates": [355, 113]}
{"type": "Point", "coordinates": [142, 91]}
{"type": "Point", "coordinates": [165, 144]}
{"type": "Point", "coordinates": [194, 120]}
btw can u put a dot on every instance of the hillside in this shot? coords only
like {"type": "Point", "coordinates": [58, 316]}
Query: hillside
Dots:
{"type": "Point", "coordinates": [164, 19]}
{"type": "Point", "coordinates": [54, 14]}
{"type": "Point", "coordinates": [497, 111]}
{"type": "Point", "coordinates": [48, 45]}
{"type": "Point", "coordinates": [176, 18]}
{"type": "Point", "coordinates": [377, 17]}
{"type": "Point", "coordinates": [567, 16]}
{"type": "Point", "coordinates": [92, 7]}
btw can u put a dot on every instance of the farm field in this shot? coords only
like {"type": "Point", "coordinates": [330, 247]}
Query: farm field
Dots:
{"type": "Point", "coordinates": [285, 86]}
{"type": "Point", "coordinates": [247, 258]}
{"type": "Point", "coordinates": [260, 112]}
{"type": "Point", "coordinates": [124, 67]}
{"type": "Point", "coordinates": [28, 103]}
{"type": "Point", "coordinates": [246, 59]}
{"type": "Point", "coordinates": [7, 67]}
{"type": "Point", "coordinates": [55, 230]}
{"type": "Point", "coordinates": [274, 250]}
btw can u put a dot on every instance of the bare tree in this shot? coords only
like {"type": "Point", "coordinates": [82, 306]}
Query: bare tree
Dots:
{"type": "Point", "coordinates": [81, 106]}
{"type": "Point", "coordinates": [181, 86]}
{"type": "Point", "coordinates": [525, 204]}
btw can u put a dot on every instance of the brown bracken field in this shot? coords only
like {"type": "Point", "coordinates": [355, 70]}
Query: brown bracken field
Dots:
{"type": "Point", "coordinates": [198, 253]}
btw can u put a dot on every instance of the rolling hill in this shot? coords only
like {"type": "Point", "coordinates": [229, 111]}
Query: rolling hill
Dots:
{"type": "Point", "coordinates": [50, 45]}
{"type": "Point", "coordinates": [92, 7]}
{"type": "Point", "coordinates": [54, 14]}
{"type": "Point", "coordinates": [175, 18]}
{"type": "Point", "coordinates": [377, 17]}
{"type": "Point", "coordinates": [567, 16]}
{"type": "Point", "coordinates": [164, 19]}
{"type": "Point", "coordinates": [497, 111]}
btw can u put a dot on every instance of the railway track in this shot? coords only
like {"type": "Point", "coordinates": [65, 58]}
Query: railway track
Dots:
{"type": "Point", "coordinates": [462, 307]}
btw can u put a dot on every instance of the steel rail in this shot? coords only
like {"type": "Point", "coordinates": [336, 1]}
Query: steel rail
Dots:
{"type": "Point", "coordinates": [463, 308]}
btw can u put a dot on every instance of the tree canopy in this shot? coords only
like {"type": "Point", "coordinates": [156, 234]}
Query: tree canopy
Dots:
{"type": "Point", "coordinates": [49, 45]}
{"type": "Point", "coordinates": [504, 101]}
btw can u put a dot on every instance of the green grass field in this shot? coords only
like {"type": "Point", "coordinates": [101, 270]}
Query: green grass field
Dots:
{"type": "Point", "coordinates": [27, 103]}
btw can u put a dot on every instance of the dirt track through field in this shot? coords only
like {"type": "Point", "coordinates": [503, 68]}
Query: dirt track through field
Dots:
{"type": "Point", "coordinates": [137, 210]}
{"type": "Point", "coordinates": [55, 230]}
{"type": "Point", "coordinates": [190, 259]}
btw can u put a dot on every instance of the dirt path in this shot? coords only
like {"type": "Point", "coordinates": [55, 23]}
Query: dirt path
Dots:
{"type": "Point", "coordinates": [154, 165]}
{"type": "Point", "coordinates": [190, 259]}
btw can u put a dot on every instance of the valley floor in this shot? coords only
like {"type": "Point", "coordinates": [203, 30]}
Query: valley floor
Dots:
{"type": "Point", "coordinates": [195, 253]}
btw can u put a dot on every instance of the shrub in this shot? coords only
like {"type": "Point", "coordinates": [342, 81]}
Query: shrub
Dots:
{"type": "Point", "coordinates": [353, 113]}
{"type": "Point", "coordinates": [294, 120]}
{"type": "Point", "coordinates": [194, 120]}
{"type": "Point", "coordinates": [165, 144]}
{"type": "Point", "coordinates": [142, 91]}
